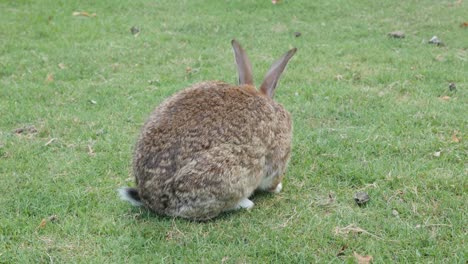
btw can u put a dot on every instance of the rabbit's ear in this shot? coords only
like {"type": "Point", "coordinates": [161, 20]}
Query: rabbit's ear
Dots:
{"type": "Point", "coordinates": [271, 78]}
{"type": "Point", "coordinates": [244, 68]}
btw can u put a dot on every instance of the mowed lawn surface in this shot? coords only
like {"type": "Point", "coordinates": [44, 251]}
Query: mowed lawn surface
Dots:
{"type": "Point", "coordinates": [371, 113]}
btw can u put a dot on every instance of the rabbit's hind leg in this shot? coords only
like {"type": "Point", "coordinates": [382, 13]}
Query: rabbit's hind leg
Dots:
{"type": "Point", "coordinates": [216, 180]}
{"type": "Point", "coordinates": [271, 183]}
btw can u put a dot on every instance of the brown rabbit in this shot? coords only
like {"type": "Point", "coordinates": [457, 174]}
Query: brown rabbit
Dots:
{"type": "Point", "coordinates": [207, 148]}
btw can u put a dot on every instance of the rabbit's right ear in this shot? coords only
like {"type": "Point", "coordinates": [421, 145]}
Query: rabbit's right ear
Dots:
{"type": "Point", "coordinates": [244, 68]}
{"type": "Point", "coordinates": [272, 77]}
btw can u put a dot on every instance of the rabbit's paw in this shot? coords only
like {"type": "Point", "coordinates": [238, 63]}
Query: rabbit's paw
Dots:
{"type": "Point", "coordinates": [245, 204]}
{"type": "Point", "coordinates": [278, 188]}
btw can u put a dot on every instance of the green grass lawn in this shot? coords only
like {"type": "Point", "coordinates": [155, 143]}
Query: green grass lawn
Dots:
{"type": "Point", "coordinates": [371, 113]}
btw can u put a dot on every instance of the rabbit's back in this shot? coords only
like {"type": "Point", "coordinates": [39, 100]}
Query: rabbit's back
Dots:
{"type": "Point", "coordinates": [201, 117]}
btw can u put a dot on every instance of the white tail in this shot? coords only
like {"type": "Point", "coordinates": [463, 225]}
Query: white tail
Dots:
{"type": "Point", "coordinates": [130, 195]}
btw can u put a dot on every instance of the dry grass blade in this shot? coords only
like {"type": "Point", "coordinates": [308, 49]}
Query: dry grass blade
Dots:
{"type": "Point", "coordinates": [283, 225]}
{"type": "Point", "coordinates": [352, 228]}
{"type": "Point", "coordinates": [174, 233]}
{"type": "Point", "coordinates": [91, 151]}
{"type": "Point", "coordinates": [50, 141]}
{"type": "Point", "coordinates": [82, 13]}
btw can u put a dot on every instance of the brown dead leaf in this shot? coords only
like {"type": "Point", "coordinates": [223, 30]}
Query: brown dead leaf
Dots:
{"type": "Point", "coordinates": [362, 259]}
{"type": "Point", "coordinates": [44, 221]}
{"type": "Point", "coordinates": [188, 70]}
{"type": "Point", "coordinates": [42, 224]}
{"type": "Point", "coordinates": [454, 137]}
{"type": "Point", "coordinates": [50, 77]}
{"type": "Point", "coordinates": [82, 13]}
{"type": "Point", "coordinates": [445, 98]}
{"type": "Point", "coordinates": [464, 24]}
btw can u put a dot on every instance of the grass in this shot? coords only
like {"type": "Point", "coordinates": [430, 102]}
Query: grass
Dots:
{"type": "Point", "coordinates": [370, 114]}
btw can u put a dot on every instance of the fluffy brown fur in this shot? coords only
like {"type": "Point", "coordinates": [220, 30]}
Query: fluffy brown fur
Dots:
{"type": "Point", "coordinates": [209, 147]}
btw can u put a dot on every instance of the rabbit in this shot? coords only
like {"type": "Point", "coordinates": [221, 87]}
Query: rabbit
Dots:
{"type": "Point", "coordinates": [206, 149]}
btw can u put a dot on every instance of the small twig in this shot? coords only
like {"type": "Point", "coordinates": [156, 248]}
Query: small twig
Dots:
{"type": "Point", "coordinates": [49, 142]}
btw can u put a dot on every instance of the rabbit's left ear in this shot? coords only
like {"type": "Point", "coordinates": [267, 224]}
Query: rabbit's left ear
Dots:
{"type": "Point", "coordinates": [271, 78]}
{"type": "Point", "coordinates": [244, 68]}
